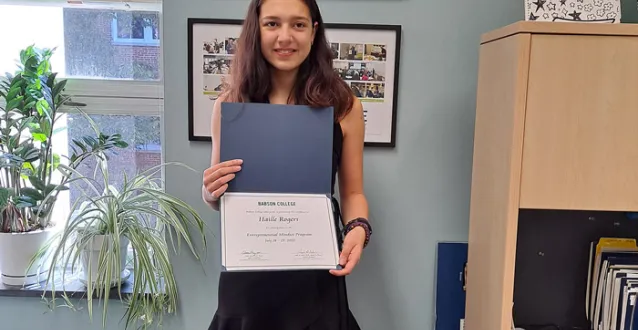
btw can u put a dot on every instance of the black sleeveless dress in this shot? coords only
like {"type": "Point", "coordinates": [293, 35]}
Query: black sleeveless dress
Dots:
{"type": "Point", "coordinates": [287, 300]}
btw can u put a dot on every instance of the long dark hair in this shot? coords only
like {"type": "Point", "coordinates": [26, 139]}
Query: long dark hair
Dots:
{"type": "Point", "coordinates": [317, 84]}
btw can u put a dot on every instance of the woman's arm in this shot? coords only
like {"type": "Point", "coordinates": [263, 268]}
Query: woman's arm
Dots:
{"type": "Point", "coordinates": [214, 157]}
{"type": "Point", "coordinates": [353, 201]}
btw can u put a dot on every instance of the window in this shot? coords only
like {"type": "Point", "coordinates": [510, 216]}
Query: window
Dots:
{"type": "Point", "coordinates": [110, 53]}
{"type": "Point", "coordinates": [88, 47]}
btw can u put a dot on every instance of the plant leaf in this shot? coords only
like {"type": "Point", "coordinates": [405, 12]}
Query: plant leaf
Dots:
{"type": "Point", "coordinates": [37, 183]}
{"type": "Point", "coordinates": [4, 198]}
{"type": "Point", "coordinates": [33, 194]}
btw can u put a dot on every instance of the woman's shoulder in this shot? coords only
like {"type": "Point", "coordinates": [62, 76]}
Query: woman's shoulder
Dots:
{"type": "Point", "coordinates": [216, 112]}
{"type": "Point", "coordinates": [355, 110]}
{"type": "Point", "coordinates": [221, 98]}
{"type": "Point", "coordinates": [353, 118]}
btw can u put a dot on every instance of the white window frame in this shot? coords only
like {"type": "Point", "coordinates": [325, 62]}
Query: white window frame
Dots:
{"type": "Point", "coordinates": [112, 96]}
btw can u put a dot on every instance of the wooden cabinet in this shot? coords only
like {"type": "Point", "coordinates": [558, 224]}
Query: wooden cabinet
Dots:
{"type": "Point", "coordinates": [556, 129]}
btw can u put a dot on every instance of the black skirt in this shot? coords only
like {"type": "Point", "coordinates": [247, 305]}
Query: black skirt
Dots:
{"type": "Point", "coordinates": [289, 300]}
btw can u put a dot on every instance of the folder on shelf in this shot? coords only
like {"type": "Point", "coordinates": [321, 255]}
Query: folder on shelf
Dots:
{"type": "Point", "coordinates": [612, 284]}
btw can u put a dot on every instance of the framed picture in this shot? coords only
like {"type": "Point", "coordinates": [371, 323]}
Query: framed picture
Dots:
{"type": "Point", "coordinates": [367, 57]}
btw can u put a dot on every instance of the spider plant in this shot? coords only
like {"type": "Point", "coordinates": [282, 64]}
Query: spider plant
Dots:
{"type": "Point", "coordinates": [104, 221]}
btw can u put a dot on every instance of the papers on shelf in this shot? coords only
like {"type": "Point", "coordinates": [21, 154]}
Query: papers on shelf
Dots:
{"type": "Point", "coordinates": [612, 284]}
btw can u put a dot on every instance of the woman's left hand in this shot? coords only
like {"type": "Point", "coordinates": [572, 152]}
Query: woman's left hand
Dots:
{"type": "Point", "coordinates": [351, 252]}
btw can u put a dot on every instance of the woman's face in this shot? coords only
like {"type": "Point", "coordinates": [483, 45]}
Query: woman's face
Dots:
{"type": "Point", "coordinates": [287, 32]}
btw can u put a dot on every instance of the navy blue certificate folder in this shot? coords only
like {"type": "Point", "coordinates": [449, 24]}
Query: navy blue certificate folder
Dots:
{"type": "Point", "coordinates": [285, 148]}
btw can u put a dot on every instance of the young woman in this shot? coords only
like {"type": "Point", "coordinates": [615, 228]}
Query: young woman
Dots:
{"type": "Point", "coordinates": [283, 57]}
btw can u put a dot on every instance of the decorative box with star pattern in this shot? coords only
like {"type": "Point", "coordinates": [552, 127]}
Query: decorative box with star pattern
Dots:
{"type": "Point", "coordinates": [595, 11]}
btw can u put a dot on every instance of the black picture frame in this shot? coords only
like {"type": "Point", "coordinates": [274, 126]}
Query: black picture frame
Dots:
{"type": "Point", "coordinates": [373, 54]}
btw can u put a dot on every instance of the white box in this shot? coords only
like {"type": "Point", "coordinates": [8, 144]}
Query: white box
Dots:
{"type": "Point", "coordinates": [594, 11]}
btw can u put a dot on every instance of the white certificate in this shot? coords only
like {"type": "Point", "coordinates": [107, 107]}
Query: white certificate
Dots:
{"type": "Point", "coordinates": [268, 231]}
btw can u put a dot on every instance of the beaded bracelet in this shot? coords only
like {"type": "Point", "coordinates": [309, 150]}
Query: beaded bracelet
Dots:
{"type": "Point", "coordinates": [359, 222]}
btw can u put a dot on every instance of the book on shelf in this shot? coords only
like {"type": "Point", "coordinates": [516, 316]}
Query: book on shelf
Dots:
{"type": "Point", "coordinates": [612, 284]}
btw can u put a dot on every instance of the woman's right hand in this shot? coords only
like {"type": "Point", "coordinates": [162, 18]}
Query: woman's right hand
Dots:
{"type": "Point", "coordinates": [216, 177]}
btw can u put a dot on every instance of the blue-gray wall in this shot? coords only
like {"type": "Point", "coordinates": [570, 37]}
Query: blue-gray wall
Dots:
{"type": "Point", "coordinates": [418, 192]}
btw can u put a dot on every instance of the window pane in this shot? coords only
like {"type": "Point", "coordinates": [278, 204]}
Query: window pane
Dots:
{"type": "Point", "coordinates": [130, 26]}
{"type": "Point", "coordinates": [142, 133]}
{"type": "Point", "coordinates": [89, 42]}
{"type": "Point", "coordinates": [52, 36]}
{"type": "Point", "coordinates": [111, 44]}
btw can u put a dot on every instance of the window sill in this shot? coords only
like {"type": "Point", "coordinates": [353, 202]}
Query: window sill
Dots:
{"type": "Point", "coordinates": [136, 42]}
{"type": "Point", "coordinates": [73, 288]}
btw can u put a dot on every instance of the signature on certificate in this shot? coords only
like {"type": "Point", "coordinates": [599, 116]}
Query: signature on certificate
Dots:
{"type": "Point", "coordinates": [308, 254]}
{"type": "Point", "coordinates": [252, 255]}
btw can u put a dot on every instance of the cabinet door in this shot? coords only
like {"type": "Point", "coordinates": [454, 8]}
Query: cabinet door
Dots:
{"type": "Point", "coordinates": [498, 140]}
{"type": "Point", "coordinates": [580, 147]}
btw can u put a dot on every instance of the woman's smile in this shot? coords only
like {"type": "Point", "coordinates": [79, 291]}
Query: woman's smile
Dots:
{"type": "Point", "coordinates": [285, 52]}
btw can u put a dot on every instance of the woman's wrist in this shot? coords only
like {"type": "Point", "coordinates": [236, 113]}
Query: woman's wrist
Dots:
{"type": "Point", "coordinates": [209, 198]}
{"type": "Point", "coordinates": [359, 222]}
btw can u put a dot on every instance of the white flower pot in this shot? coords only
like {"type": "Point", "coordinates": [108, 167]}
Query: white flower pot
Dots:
{"type": "Point", "coordinates": [16, 252]}
{"type": "Point", "coordinates": [90, 257]}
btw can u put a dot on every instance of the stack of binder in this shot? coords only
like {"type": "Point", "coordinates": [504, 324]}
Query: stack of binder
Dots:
{"type": "Point", "coordinates": [612, 284]}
